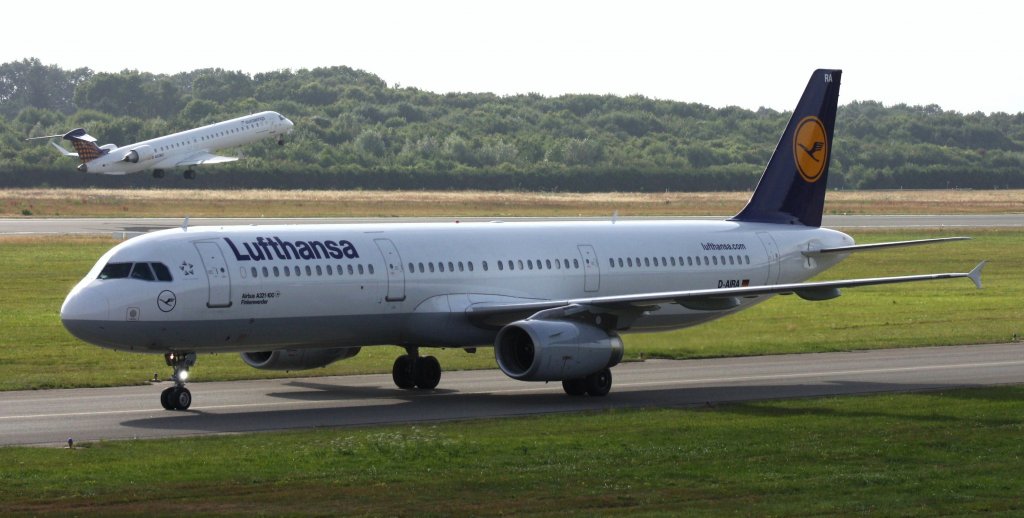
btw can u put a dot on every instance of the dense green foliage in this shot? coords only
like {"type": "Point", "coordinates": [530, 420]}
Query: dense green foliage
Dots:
{"type": "Point", "coordinates": [354, 130]}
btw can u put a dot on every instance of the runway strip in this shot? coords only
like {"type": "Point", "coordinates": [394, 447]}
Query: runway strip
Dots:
{"type": "Point", "coordinates": [49, 417]}
{"type": "Point", "coordinates": [132, 226]}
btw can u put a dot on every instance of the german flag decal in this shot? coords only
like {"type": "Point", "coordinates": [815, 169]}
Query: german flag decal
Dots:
{"type": "Point", "coordinates": [810, 148]}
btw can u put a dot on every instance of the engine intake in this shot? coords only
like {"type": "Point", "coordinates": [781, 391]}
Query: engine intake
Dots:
{"type": "Point", "coordinates": [297, 359]}
{"type": "Point", "coordinates": [555, 350]}
{"type": "Point", "coordinates": [139, 154]}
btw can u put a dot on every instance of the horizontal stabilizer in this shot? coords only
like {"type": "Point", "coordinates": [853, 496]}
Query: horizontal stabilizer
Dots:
{"type": "Point", "coordinates": [879, 246]}
{"type": "Point", "coordinates": [63, 151]}
{"type": "Point", "coordinates": [45, 137]}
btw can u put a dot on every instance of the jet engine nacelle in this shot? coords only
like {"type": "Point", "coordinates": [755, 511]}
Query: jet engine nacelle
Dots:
{"type": "Point", "coordinates": [555, 350]}
{"type": "Point", "coordinates": [139, 154]}
{"type": "Point", "coordinates": [297, 359]}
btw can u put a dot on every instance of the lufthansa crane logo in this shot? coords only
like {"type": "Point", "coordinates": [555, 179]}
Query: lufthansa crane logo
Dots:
{"type": "Point", "coordinates": [166, 301]}
{"type": "Point", "coordinates": [810, 148]}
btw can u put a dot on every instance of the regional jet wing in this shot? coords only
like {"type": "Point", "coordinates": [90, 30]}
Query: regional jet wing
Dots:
{"type": "Point", "coordinates": [204, 158]}
{"type": "Point", "coordinates": [489, 314]}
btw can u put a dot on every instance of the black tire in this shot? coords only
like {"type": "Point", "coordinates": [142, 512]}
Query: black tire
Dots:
{"type": "Point", "coordinates": [165, 398]}
{"type": "Point", "coordinates": [180, 398]}
{"type": "Point", "coordinates": [428, 372]}
{"type": "Point", "coordinates": [190, 174]}
{"type": "Point", "coordinates": [599, 383]}
{"type": "Point", "coordinates": [402, 372]}
{"type": "Point", "coordinates": [158, 173]}
{"type": "Point", "coordinates": [576, 387]}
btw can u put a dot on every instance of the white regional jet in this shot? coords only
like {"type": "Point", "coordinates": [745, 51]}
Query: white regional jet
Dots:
{"type": "Point", "coordinates": [183, 149]}
{"type": "Point", "coordinates": [551, 297]}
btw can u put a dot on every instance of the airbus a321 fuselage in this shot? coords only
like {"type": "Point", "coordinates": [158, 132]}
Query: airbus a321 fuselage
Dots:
{"type": "Point", "coordinates": [550, 297]}
{"type": "Point", "coordinates": [183, 149]}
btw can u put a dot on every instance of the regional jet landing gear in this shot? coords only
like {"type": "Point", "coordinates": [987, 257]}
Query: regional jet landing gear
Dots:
{"type": "Point", "coordinates": [190, 174]}
{"type": "Point", "coordinates": [596, 384]}
{"type": "Point", "coordinates": [414, 371]}
{"type": "Point", "coordinates": [178, 397]}
{"type": "Point", "coordinates": [158, 173]}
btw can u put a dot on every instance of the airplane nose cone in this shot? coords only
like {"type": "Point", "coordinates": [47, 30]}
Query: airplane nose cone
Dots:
{"type": "Point", "coordinates": [81, 311]}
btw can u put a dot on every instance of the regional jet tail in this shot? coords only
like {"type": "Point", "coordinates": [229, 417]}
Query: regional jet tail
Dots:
{"type": "Point", "coordinates": [551, 298]}
{"type": "Point", "coordinates": [184, 149]}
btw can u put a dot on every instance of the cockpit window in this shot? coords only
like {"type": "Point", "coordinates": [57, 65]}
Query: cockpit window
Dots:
{"type": "Point", "coordinates": [115, 271]}
{"type": "Point", "coordinates": [161, 271]}
{"type": "Point", "coordinates": [141, 271]}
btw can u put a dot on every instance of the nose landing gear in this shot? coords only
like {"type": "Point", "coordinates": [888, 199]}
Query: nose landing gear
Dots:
{"type": "Point", "coordinates": [178, 397]}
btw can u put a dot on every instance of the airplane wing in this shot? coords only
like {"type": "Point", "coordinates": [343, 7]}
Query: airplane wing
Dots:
{"type": "Point", "coordinates": [204, 158]}
{"type": "Point", "coordinates": [490, 314]}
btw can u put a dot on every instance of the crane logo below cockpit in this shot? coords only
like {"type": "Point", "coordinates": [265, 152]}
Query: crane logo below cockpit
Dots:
{"type": "Point", "coordinates": [166, 301]}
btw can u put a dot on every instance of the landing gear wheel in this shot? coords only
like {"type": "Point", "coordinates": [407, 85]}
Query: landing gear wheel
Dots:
{"type": "Point", "coordinates": [178, 397]}
{"type": "Point", "coordinates": [403, 372]}
{"type": "Point", "coordinates": [158, 173]}
{"type": "Point", "coordinates": [280, 142]}
{"type": "Point", "coordinates": [181, 398]}
{"type": "Point", "coordinates": [599, 383]}
{"type": "Point", "coordinates": [428, 372]}
{"type": "Point", "coordinates": [576, 387]}
{"type": "Point", "coordinates": [165, 398]}
{"type": "Point", "coordinates": [190, 174]}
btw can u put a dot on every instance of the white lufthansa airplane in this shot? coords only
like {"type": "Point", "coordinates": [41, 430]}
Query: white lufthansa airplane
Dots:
{"type": "Point", "coordinates": [183, 149]}
{"type": "Point", "coordinates": [550, 297]}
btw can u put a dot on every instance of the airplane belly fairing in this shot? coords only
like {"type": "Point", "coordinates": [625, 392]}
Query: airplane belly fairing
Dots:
{"type": "Point", "coordinates": [240, 334]}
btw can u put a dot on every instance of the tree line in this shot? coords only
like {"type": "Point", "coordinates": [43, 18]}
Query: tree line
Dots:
{"type": "Point", "coordinates": [353, 130]}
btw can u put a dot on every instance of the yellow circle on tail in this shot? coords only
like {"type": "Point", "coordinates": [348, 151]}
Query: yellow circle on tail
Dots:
{"type": "Point", "coordinates": [810, 148]}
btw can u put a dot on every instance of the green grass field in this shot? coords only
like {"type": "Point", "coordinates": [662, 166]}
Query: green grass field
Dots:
{"type": "Point", "coordinates": [38, 353]}
{"type": "Point", "coordinates": [931, 454]}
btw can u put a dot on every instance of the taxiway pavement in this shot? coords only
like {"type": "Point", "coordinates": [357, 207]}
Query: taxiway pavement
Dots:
{"type": "Point", "coordinates": [50, 417]}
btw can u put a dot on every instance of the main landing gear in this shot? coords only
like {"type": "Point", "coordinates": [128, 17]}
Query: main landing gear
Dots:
{"type": "Point", "coordinates": [280, 141]}
{"type": "Point", "coordinates": [190, 174]}
{"type": "Point", "coordinates": [158, 173]}
{"type": "Point", "coordinates": [178, 397]}
{"type": "Point", "coordinates": [596, 384]}
{"type": "Point", "coordinates": [414, 371]}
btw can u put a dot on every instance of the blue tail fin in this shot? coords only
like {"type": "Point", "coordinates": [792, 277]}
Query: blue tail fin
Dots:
{"type": "Point", "coordinates": [792, 188]}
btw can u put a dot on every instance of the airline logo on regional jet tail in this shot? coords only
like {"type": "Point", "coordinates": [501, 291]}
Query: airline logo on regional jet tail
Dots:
{"type": "Point", "coordinates": [810, 148]}
{"type": "Point", "coordinates": [270, 248]}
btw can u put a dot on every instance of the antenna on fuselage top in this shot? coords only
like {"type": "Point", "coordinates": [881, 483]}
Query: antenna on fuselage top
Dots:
{"type": "Point", "coordinates": [184, 225]}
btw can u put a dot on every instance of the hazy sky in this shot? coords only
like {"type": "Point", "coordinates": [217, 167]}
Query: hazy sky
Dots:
{"type": "Point", "coordinates": [963, 56]}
